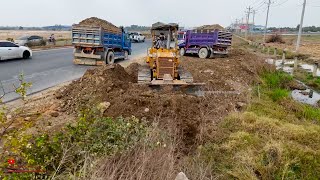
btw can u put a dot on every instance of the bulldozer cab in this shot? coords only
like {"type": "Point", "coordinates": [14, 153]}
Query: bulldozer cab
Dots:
{"type": "Point", "coordinates": [164, 35]}
{"type": "Point", "coordinates": [163, 59]}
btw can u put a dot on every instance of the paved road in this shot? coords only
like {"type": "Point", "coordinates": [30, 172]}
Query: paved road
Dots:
{"type": "Point", "coordinates": [48, 68]}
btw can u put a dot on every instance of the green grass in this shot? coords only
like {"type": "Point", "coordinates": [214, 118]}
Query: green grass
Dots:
{"type": "Point", "coordinates": [255, 146]}
{"type": "Point", "coordinates": [275, 79]}
{"type": "Point", "coordinates": [311, 113]}
{"type": "Point", "coordinates": [278, 94]}
{"type": "Point", "coordinates": [275, 138]}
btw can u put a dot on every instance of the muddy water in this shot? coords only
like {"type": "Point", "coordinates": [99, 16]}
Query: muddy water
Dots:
{"type": "Point", "coordinates": [302, 96]}
{"type": "Point", "coordinates": [310, 68]}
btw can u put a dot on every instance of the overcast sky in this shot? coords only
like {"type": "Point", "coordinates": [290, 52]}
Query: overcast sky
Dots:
{"type": "Point", "coordinates": [187, 13]}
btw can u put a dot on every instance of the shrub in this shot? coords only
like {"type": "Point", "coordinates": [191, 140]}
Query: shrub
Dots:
{"type": "Point", "coordinates": [66, 152]}
{"type": "Point", "coordinates": [275, 38]}
{"type": "Point", "coordinates": [10, 39]}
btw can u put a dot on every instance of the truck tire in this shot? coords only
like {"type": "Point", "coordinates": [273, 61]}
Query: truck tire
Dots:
{"type": "Point", "coordinates": [182, 52]}
{"type": "Point", "coordinates": [203, 53]}
{"type": "Point", "coordinates": [126, 55]}
{"type": "Point", "coordinates": [110, 57]}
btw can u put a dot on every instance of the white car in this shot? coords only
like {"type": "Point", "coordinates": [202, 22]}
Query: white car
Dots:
{"type": "Point", "coordinates": [137, 37]}
{"type": "Point", "coordinates": [9, 50]}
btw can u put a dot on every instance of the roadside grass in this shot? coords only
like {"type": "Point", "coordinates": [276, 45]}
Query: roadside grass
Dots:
{"type": "Point", "coordinates": [274, 138]}
{"type": "Point", "coordinates": [290, 39]}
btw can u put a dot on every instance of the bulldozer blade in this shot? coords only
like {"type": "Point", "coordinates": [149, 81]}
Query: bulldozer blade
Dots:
{"type": "Point", "coordinates": [144, 75]}
{"type": "Point", "coordinates": [195, 89]}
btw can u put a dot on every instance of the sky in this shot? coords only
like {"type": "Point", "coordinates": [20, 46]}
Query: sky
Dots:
{"type": "Point", "coordinates": [188, 13]}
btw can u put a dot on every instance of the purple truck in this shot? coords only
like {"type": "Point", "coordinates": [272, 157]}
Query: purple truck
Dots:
{"type": "Point", "coordinates": [205, 43]}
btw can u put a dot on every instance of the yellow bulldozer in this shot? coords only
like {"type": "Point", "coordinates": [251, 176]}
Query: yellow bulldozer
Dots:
{"type": "Point", "coordinates": [162, 63]}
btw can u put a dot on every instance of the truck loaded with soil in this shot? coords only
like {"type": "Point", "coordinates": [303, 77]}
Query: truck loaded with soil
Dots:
{"type": "Point", "coordinates": [244, 125]}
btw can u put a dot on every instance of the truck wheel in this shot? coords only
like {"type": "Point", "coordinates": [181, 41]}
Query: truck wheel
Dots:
{"type": "Point", "coordinates": [126, 55]}
{"type": "Point", "coordinates": [203, 53]}
{"type": "Point", "coordinates": [110, 57]}
{"type": "Point", "coordinates": [182, 52]}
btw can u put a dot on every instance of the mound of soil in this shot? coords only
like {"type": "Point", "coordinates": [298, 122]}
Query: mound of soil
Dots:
{"type": "Point", "coordinates": [211, 27]}
{"type": "Point", "coordinates": [132, 70]}
{"type": "Point", "coordinates": [96, 22]}
{"type": "Point", "coordinates": [227, 80]}
{"type": "Point", "coordinates": [114, 85]}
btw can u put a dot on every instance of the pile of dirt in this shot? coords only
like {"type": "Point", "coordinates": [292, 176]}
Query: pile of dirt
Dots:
{"type": "Point", "coordinates": [96, 22]}
{"type": "Point", "coordinates": [132, 70]}
{"type": "Point", "coordinates": [236, 72]}
{"type": "Point", "coordinates": [113, 86]}
{"type": "Point", "coordinates": [227, 82]}
{"type": "Point", "coordinates": [211, 27]}
{"type": "Point", "coordinates": [93, 86]}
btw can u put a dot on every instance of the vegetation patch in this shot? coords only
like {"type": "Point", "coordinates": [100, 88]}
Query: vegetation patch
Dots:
{"type": "Point", "coordinates": [274, 138]}
{"type": "Point", "coordinates": [69, 152]}
{"type": "Point", "coordinates": [275, 38]}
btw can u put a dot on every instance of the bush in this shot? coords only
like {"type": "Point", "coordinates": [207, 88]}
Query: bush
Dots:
{"type": "Point", "coordinates": [275, 38]}
{"type": "Point", "coordinates": [10, 39]}
{"type": "Point", "coordinates": [68, 151]}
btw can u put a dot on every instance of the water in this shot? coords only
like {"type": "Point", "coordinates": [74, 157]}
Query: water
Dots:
{"type": "Point", "coordinates": [303, 97]}
{"type": "Point", "coordinates": [310, 68]}
{"type": "Point", "coordinates": [298, 95]}
{"type": "Point", "coordinates": [281, 65]}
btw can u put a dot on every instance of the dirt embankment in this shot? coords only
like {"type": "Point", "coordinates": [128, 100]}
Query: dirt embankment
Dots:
{"type": "Point", "coordinates": [113, 92]}
{"type": "Point", "coordinates": [227, 81]}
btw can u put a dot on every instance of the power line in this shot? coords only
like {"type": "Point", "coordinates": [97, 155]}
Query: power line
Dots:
{"type": "Point", "coordinates": [280, 4]}
{"type": "Point", "coordinates": [256, 2]}
{"type": "Point", "coordinates": [261, 5]}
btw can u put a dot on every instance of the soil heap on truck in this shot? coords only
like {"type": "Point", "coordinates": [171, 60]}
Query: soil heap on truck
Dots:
{"type": "Point", "coordinates": [204, 42]}
{"type": "Point", "coordinates": [98, 42]}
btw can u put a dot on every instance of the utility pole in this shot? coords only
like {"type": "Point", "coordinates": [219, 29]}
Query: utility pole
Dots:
{"type": "Point", "coordinates": [301, 25]}
{"type": "Point", "coordinates": [253, 22]}
{"type": "Point", "coordinates": [266, 26]}
{"type": "Point", "coordinates": [248, 18]}
{"type": "Point", "coordinates": [237, 26]}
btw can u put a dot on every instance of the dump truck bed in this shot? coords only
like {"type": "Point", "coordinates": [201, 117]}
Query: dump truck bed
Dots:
{"type": "Point", "coordinates": [95, 37]}
{"type": "Point", "coordinates": [209, 38]}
